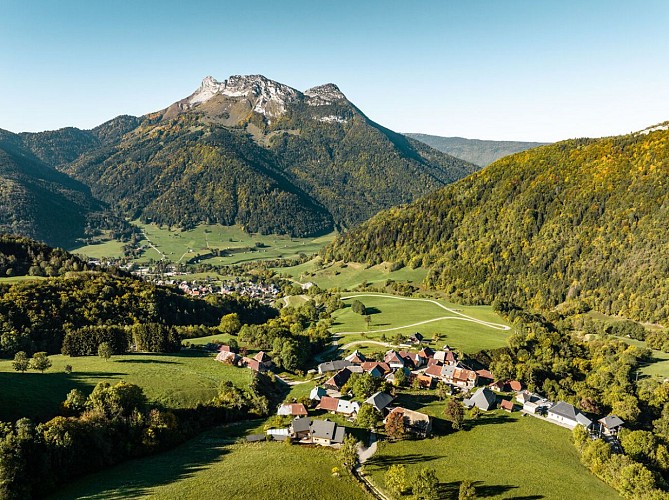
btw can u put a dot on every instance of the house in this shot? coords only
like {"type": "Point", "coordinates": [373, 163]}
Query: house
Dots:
{"type": "Point", "coordinates": [300, 428]}
{"type": "Point", "coordinates": [461, 377]}
{"type": "Point", "coordinates": [329, 404]}
{"type": "Point", "coordinates": [356, 357]}
{"type": "Point", "coordinates": [434, 371]}
{"type": "Point", "coordinates": [339, 379]}
{"type": "Point", "coordinates": [416, 338]}
{"type": "Point", "coordinates": [380, 401]}
{"type": "Point", "coordinates": [391, 377]}
{"type": "Point", "coordinates": [483, 398]}
{"type": "Point", "coordinates": [394, 360]}
{"type": "Point", "coordinates": [326, 433]}
{"type": "Point", "coordinates": [425, 381]}
{"type": "Point", "coordinates": [415, 422]}
{"type": "Point", "coordinates": [376, 369]}
{"type": "Point", "coordinates": [412, 359]}
{"type": "Point", "coordinates": [532, 403]}
{"type": "Point", "coordinates": [317, 393]}
{"type": "Point", "coordinates": [610, 425]}
{"type": "Point", "coordinates": [253, 365]}
{"type": "Point", "coordinates": [427, 352]}
{"type": "Point", "coordinates": [515, 386]}
{"type": "Point", "coordinates": [333, 366]}
{"type": "Point", "coordinates": [485, 376]}
{"type": "Point", "coordinates": [294, 409]}
{"type": "Point", "coordinates": [263, 359]}
{"type": "Point", "coordinates": [498, 385]}
{"type": "Point", "coordinates": [348, 408]}
{"type": "Point", "coordinates": [567, 415]}
{"type": "Point", "coordinates": [226, 348]}
{"type": "Point", "coordinates": [227, 357]}
{"type": "Point", "coordinates": [507, 405]}
{"type": "Point", "coordinates": [446, 357]}
{"type": "Point", "coordinates": [432, 361]}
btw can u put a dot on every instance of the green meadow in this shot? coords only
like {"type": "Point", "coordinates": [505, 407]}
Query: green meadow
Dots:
{"type": "Point", "coordinates": [213, 465]}
{"type": "Point", "coordinates": [174, 380]}
{"type": "Point", "coordinates": [180, 246]}
{"type": "Point", "coordinates": [349, 275]}
{"type": "Point", "coordinates": [469, 328]}
{"type": "Point", "coordinates": [507, 455]}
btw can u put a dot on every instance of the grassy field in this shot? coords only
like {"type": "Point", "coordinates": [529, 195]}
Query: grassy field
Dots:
{"type": "Point", "coordinates": [469, 328]}
{"type": "Point", "coordinates": [509, 456]}
{"type": "Point", "coordinates": [174, 380]}
{"type": "Point", "coordinates": [213, 466]}
{"type": "Point", "coordinates": [181, 246]}
{"type": "Point", "coordinates": [350, 275]}
{"type": "Point", "coordinates": [19, 279]}
{"type": "Point", "coordinates": [658, 366]}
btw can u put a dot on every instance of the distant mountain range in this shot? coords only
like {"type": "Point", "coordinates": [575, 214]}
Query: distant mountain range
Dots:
{"type": "Point", "coordinates": [581, 221]}
{"type": "Point", "coordinates": [247, 151]}
{"type": "Point", "coordinates": [476, 151]}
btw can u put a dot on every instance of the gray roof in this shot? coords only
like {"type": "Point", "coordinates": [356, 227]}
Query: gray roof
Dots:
{"type": "Point", "coordinates": [611, 421]}
{"type": "Point", "coordinates": [339, 435]}
{"type": "Point", "coordinates": [301, 424]}
{"type": "Point", "coordinates": [324, 429]}
{"type": "Point", "coordinates": [564, 410]}
{"type": "Point", "coordinates": [255, 437]}
{"type": "Point", "coordinates": [583, 420]}
{"type": "Point", "coordinates": [484, 398]}
{"type": "Point", "coordinates": [317, 392]}
{"type": "Point", "coordinates": [380, 400]}
{"type": "Point", "coordinates": [333, 366]}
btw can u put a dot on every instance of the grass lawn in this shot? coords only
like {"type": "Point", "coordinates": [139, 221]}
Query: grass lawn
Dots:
{"type": "Point", "coordinates": [349, 275]}
{"type": "Point", "coordinates": [213, 466]}
{"type": "Point", "coordinates": [18, 279]}
{"type": "Point", "coordinates": [174, 380]}
{"type": "Point", "coordinates": [463, 327]}
{"type": "Point", "coordinates": [658, 366]}
{"type": "Point", "coordinates": [508, 455]}
{"type": "Point", "coordinates": [111, 248]}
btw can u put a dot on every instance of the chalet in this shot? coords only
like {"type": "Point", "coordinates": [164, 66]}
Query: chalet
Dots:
{"type": "Point", "coordinates": [226, 348]}
{"type": "Point", "coordinates": [610, 425]}
{"type": "Point", "coordinates": [434, 371]}
{"type": "Point", "coordinates": [507, 405]}
{"type": "Point", "coordinates": [380, 401]}
{"type": "Point", "coordinates": [317, 393]}
{"type": "Point", "coordinates": [300, 428]}
{"type": "Point", "coordinates": [415, 422]}
{"type": "Point", "coordinates": [356, 357]}
{"type": "Point", "coordinates": [294, 409]}
{"type": "Point", "coordinates": [333, 366]}
{"type": "Point", "coordinates": [567, 415]}
{"type": "Point", "coordinates": [497, 385]}
{"type": "Point", "coordinates": [227, 357]}
{"type": "Point", "coordinates": [485, 376]}
{"type": "Point", "coordinates": [515, 386]}
{"type": "Point", "coordinates": [447, 357]}
{"type": "Point", "coordinates": [329, 404]}
{"type": "Point", "coordinates": [326, 433]}
{"type": "Point", "coordinates": [412, 360]}
{"type": "Point", "coordinates": [532, 403]}
{"type": "Point", "coordinates": [483, 398]}
{"type": "Point", "coordinates": [394, 360]}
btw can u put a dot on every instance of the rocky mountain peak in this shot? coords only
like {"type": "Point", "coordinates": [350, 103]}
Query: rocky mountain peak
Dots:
{"type": "Point", "coordinates": [324, 94]}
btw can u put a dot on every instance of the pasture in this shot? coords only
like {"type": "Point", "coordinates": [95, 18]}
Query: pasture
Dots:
{"type": "Point", "coordinates": [213, 465]}
{"type": "Point", "coordinates": [346, 276]}
{"type": "Point", "coordinates": [469, 328]}
{"type": "Point", "coordinates": [174, 380]}
{"type": "Point", "coordinates": [182, 246]}
{"type": "Point", "coordinates": [507, 455]}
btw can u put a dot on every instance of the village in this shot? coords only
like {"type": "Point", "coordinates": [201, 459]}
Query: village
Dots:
{"type": "Point", "coordinates": [424, 369]}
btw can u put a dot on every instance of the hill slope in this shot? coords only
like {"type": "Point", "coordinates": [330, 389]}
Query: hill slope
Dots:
{"type": "Point", "coordinates": [258, 153]}
{"type": "Point", "coordinates": [581, 219]}
{"type": "Point", "coordinates": [476, 151]}
{"type": "Point", "coordinates": [36, 200]}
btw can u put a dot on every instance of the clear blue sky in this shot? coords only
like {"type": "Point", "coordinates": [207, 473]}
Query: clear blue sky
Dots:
{"type": "Point", "coordinates": [527, 70]}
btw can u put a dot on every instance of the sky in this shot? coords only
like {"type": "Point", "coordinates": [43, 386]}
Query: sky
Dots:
{"type": "Point", "coordinates": [533, 70]}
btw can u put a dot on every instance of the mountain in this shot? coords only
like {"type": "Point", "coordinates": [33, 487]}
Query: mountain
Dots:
{"type": "Point", "coordinates": [258, 153]}
{"type": "Point", "coordinates": [476, 151]}
{"type": "Point", "coordinates": [38, 201]}
{"type": "Point", "coordinates": [580, 220]}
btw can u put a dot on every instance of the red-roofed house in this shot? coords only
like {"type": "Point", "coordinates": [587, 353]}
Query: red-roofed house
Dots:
{"type": "Point", "coordinates": [328, 403]}
{"type": "Point", "coordinates": [506, 405]}
{"type": "Point", "coordinates": [294, 409]}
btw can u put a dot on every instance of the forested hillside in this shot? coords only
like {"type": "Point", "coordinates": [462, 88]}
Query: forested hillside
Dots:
{"type": "Point", "coordinates": [38, 201]}
{"type": "Point", "coordinates": [22, 256]}
{"type": "Point", "coordinates": [581, 219]}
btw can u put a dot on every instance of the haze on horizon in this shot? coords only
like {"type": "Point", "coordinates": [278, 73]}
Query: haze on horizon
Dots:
{"type": "Point", "coordinates": [518, 70]}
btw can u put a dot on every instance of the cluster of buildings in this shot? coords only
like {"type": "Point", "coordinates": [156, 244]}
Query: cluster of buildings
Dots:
{"type": "Point", "coordinates": [264, 292]}
{"type": "Point", "coordinates": [261, 362]}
